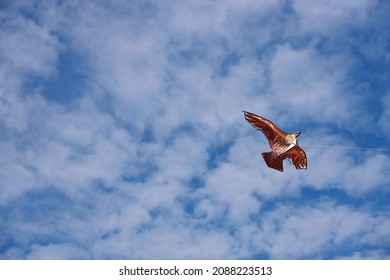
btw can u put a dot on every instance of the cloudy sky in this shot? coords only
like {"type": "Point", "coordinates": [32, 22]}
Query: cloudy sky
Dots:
{"type": "Point", "coordinates": [122, 135]}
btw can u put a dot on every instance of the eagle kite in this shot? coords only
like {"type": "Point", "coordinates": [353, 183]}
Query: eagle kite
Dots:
{"type": "Point", "coordinates": [283, 145]}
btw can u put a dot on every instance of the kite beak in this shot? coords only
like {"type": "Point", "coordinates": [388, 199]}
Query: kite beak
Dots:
{"type": "Point", "coordinates": [297, 134]}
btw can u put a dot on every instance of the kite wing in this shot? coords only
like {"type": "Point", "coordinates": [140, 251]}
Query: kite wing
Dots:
{"type": "Point", "coordinates": [297, 157]}
{"type": "Point", "coordinates": [275, 136]}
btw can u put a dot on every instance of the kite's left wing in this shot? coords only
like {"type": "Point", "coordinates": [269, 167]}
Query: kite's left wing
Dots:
{"type": "Point", "coordinates": [275, 136]}
{"type": "Point", "coordinates": [297, 157]}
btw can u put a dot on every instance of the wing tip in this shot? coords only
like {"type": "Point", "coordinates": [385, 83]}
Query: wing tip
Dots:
{"type": "Point", "coordinates": [246, 113]}
{"type": "Point", "coordinates": [300, 167]}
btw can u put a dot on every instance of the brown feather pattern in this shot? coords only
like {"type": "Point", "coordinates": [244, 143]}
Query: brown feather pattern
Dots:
{"type": "Point", "coordinates": [281, 143]}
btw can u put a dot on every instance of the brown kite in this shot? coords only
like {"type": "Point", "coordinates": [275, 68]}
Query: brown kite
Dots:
{"type": "Point", "coordinates": [283, 145]}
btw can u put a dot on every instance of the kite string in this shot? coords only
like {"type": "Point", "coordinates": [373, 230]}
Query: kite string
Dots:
{"type": "Point", "coordinates": [348, 147]}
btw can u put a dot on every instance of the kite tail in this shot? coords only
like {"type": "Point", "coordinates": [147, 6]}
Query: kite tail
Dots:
{"type": "Point", "coordinates": [273, 161]}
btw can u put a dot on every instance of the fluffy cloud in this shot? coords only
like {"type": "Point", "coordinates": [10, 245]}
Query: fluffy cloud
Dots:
{"type": "Point", "coordinates": [326, 17]}
{"type": "Point", "coordinates": [326, 227]}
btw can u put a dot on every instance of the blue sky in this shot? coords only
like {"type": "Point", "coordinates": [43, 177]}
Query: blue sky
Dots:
{"type": "Point", "coordinates": [122, 135]}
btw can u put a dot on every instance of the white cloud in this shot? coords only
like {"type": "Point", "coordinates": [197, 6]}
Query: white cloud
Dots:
{"type": "Point", "coordinates": [57, 252]}
{"type": "Point", "coordinates": [305, 231]}
{"type": "Point", "coordinates": [368, 175]}
{"type": "Point", "coordinates": [368, 255]}
{"type": "Point", "coordinates": [327, 16]}
{"type": "Point", "coordinates": [384, 121]}
{"type": "Point", "coordinates": [310, 85]}
{"type": "Point", "coordinates": [335, 165]}
{"type": "Point", "coordinates": [27, 48]}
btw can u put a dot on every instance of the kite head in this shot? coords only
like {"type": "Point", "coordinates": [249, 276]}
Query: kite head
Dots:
{"type": "Point", "coordinates": [296, 134]}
